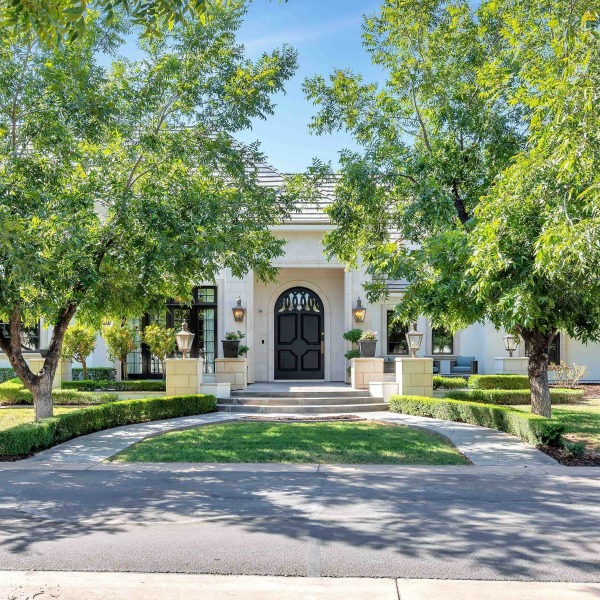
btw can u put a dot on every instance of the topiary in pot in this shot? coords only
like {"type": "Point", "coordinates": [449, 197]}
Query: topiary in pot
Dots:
{"type": "Point", "coordinates": [231, 344]}
{"type": "Point", "coordinates": [368, 344]}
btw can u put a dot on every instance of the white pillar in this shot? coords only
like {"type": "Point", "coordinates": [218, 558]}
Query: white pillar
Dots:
{"type": "Point", "coordinates": [184, 376]}
{"type": "Point", "coordinates": [414, 376]}
{"type": "Point", "coordinates": [516, 365]}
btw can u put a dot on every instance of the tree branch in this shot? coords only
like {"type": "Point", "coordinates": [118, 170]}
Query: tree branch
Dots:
{"type": "Point", "coordinates": [459, 205]}
{"type": "Point", "coordinates": [19, 89]}
{"type": "Point", "coordinates": [421, 123]}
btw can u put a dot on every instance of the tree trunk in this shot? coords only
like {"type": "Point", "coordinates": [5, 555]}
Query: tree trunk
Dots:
{"type": "Point", "coordinates": [84, 367]}
{"type": "Point", "coordinates": [124, 374]}
{"type": "Point", "coordinates": [42, 397]}
{"type": "Point", "coordinates": [539, 347]}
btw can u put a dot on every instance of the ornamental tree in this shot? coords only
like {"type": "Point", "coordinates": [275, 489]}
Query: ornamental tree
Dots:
{"type": "Point", "coordinates": [120, 341]}
{"type": "Point", "coordinates": [477, 179]}
{"type": "Point", "coordinates": [78, 344]}
{"type": "Point", "coordinates": [161, 342]}
{"type": "Point", "coordinates": [120, 183]}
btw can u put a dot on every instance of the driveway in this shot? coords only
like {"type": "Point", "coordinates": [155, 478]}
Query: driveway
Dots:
{"type": "Point", "coordinates": [495, 523]}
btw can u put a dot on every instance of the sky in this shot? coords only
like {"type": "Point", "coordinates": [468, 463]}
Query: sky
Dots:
{"type": "Point", "coordinates": [327, 36]}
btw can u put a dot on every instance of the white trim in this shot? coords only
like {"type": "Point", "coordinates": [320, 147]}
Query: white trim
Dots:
{"type": "Point", "coordinates": [271, 324]}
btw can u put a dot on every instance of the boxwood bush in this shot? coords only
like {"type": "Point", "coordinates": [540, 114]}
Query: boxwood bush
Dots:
{"type": "Point", "coordinates": [90, 385]}
{"type": "Point", "coordinates": [14, 392]}
{"type": "Point", "coordinates": [7, 373]}
{"type": "Point", "coordinates": [499, 382]}
{"type": "Point", "coordinates": [448, 383]}
{"type": "Point", "coordinates": [39, 435]}
{"type": "Point", "coordinates": [531, 428]}
{"type": "Point", "coordinates": [557, 395]}
{"type": "Point", "coordinates": [95, 373]}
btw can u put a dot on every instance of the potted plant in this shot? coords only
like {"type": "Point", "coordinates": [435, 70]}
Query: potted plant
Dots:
{"type": "Point", "coordinates": [352, 336]}
{"type": "Point", "coordinates": [231, 344]}
{"type": "Point", "coordinates": [368, 344]}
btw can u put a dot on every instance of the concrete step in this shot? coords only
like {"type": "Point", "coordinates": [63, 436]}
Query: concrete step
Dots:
{"type": "Point", "coordinates": [350, 393]}
{"type": "Point", "coordinates": [295, 410]}
{"type": "Point", "coordinates": [261, 401]}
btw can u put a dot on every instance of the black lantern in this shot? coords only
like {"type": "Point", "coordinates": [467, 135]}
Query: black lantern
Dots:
{"type": "Point", "coordinates": [238, 311]}
{"type": "Point", "coordinates": [359, 312]}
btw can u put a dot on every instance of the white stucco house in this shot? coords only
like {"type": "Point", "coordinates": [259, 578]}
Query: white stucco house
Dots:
{"type": "Point", "coordinates": [294, 326]}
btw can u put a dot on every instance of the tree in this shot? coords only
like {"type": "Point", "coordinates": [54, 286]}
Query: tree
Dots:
{"type": "Point", "coordinates": [78, 344]}
{"type": "Point", "coordinates": [120, 341]}
{"type": "Point", "coordinates": [443, 193]}
{"type": "Point", "coordinates": [161, 342]}
{"type": "Point", "coordinates": [121, 185]}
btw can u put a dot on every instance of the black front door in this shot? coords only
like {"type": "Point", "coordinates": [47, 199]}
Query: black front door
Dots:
{"type": "Point", "coordinates": [299, 335]}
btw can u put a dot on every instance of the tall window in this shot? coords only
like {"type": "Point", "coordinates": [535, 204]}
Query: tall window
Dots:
{"type": "Point", "coordinates": [396, 335]}
{"type": "Point", "coordinates": [553, 352]}
{"type": "Point", "coordinates": [30, 336]}
{"type": "Point", "coordinates": [442, 341]}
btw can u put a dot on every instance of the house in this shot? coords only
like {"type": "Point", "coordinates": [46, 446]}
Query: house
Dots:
{"type": "Point", "coordinates": [293, 327]}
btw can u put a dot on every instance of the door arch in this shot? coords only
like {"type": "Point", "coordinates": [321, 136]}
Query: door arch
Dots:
{"type": "Point", "coordinates": [299, 335]}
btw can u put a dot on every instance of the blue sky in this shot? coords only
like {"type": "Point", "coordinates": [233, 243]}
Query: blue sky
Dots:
{"type": "Point", "coordinates": [327, 35]}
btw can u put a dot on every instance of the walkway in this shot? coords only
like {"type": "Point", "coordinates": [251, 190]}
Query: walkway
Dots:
{"type": "Point", "coordinates": [482, 446]}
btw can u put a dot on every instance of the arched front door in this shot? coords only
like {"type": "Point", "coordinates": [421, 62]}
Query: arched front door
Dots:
{"type": "Point", "coordinates": [299, 334]}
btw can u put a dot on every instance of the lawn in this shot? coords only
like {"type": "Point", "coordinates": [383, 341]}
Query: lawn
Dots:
{"type": "Point", "coordinates": [582, 421]}
{"type": "Point", "coordinates": [9, 417]}
{"type": "Point", "coordinates": [269, 442]}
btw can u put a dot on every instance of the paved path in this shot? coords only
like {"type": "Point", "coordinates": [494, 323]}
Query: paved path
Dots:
{"type": "Point", "coordinates": [134, 586]}
{"type": "Point", "coordinates": [482, 446]}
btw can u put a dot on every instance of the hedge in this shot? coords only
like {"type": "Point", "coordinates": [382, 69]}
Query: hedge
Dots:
{"type": "Point", "coordinates": [531, 428]}
{"type": "Point", "coordinates": [557, 396]}
{"type": "Point", "coordinates": [39, 435]}
{"type": "Point", "coordinates": [90, 385]}
{"type": "Point", "coordinates": [499, 382]}
{"type": "Point", "coordinates": [448, 383]}
{"type": "Point", "coordinates": [14, 392]}
{"type": "Point", "coordinates": [6, 373]}
{"type": "Point", "coordinates": [95, 373]}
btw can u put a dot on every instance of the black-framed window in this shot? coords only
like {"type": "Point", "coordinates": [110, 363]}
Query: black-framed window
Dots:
{"type": "Point", "coordinates": [553, 352]}
{"type": "Point", "coordinates": [30, 336]}
{"type": "Point", "coordinates": [442, 341]}
{"type": "Point", "coordinates": [396, 335]}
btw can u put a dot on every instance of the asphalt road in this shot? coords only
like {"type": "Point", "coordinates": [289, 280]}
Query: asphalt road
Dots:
{"type": "Point", "coordinates": [457, 523]}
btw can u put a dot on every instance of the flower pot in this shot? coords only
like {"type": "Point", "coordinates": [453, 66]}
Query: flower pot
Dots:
{"type": "Point", "coordinates": [231, 348]}
{"type": "Point", "coordinates": [367, 348]}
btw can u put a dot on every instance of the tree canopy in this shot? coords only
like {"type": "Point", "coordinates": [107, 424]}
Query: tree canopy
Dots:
{"type": "Point", "coordinates": [121, 185]}
{"type": "Point", "coordinates": [478, 176]}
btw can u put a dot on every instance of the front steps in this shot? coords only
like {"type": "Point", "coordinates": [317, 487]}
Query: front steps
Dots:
{"type": "Point", "coordinates": [344, 402]}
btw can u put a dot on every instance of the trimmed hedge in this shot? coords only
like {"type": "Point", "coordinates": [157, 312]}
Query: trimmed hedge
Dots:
{"type": "Point", "coordinates": [6, 373]}
{"type": "Point", "coordinates": [95, 373]}
{"type": "Point", "coordinates": [448, 383]}
{"type": "Point", "coordinates": [531, 428]}
{"type": "Point", "coordinates": [499, 382]}
{"type": "Point", "coordinates": [39, 435]}
{"type": "Point", "coordinates": [90, 385]}
{"type": "Point", "coordinates": [14, 392]}
{"type": "Point", "coordinates": [557, 396]}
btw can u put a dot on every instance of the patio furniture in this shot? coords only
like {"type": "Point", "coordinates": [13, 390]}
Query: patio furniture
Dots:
{"type": "Point", "coordinates": [463, 365]}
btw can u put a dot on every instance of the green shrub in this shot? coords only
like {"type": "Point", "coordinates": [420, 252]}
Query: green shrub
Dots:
{"type": "Point", "coordinates": [32, 437]}
{"type": "Point", "coordinates": [6, 373]}
{"type": "Point", "coordinates": [14, 392]}
{"type": "Point", "coordinates": [557, 395]}
{"type": "Point", "coordinates": [573, 449]}
{"type": "Point", "coordinates": [130, 385]}
{"type": "Point", "coordinates": [530, 428]}
{"type": "Point", "coordinates": [499, 382]}
{"type": "Point", "coordinates": [448, 383]}
{"type": "Point", "coordinates": [95, 373]}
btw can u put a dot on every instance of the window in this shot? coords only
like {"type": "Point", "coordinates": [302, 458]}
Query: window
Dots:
{"type": "Point", "coordinates": [553, 352]}
{"type": "Point", "coordinates": [30, 336]}
{"type": "Point", "coordinates": [442, 341]}
{"type": "Point", "coordinates": [396, 335]}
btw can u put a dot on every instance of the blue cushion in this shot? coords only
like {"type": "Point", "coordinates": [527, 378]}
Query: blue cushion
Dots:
{"type": "Point", "coordinates": [464, 361]}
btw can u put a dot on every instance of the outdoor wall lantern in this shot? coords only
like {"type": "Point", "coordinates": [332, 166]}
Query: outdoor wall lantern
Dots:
{"type": "Point", "coordinates": [510, 343]}
{"type": "Point", "coordinates": [359, 312]}
{"type": "Point", "coordinates": [184, 340]}
{"type": "Point", "coordinates": [239, 311]}
{"type": "Point", "coordinates": [414, 340]}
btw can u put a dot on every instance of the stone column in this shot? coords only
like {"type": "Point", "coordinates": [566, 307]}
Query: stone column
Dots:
{"type": "Point", "coordinates": [414, 376]}
{"type": "Point", "coordinates": [233, 371]}
{"type": "Point", "coordinates": [366, 370]}
{"type": "Point", "coordinates": [63, 369]}
{"type": "Point", "coordinates": [505, 365]}
{"type": "Point", "coordinates": [184, 376]}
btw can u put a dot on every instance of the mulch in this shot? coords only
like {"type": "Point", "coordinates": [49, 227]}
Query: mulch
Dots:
{"type": "Point", "coordinates": [591, 390]}
{"type": "Point", "coordinates": [589, 459]}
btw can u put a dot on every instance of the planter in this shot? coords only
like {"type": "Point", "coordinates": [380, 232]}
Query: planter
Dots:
{"type": "Point", "coordinates": [367, 348]}
{"type": "Point", "coordinates": [231, 348]}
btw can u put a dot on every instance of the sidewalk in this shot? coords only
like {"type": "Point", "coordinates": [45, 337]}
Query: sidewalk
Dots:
{"type": "Point", "coordinates": [19, 585]}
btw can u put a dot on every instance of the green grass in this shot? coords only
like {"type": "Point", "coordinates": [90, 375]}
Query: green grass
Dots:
{"type": "Point", "coordinates": [9, 417]}
{"type": "Point", "coordinates": [268, 442]}
{"type": "Point", "coordinates": [581, 421]}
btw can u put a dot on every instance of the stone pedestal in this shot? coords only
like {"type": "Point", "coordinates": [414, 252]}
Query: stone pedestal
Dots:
{"type": "Point", "coordinates": [63, 370]}
{"type": "Point", "coordinates": [504, 365]}
{"type": "Point", "coordinates": [414, 376]}
{"type": "Point", "coordinates": [233, 371]}
{"type": "Point", "coordinates": [384, 389]}
{"type": "Point", "coordinates": [366, 370]}
{"type": "Point", "coordinates": [184, 376]}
